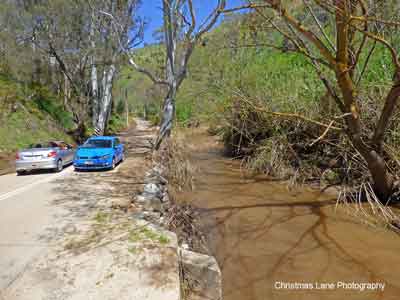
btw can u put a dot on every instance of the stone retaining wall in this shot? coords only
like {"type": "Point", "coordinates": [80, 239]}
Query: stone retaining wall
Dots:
{"type": "Point", "coordinates": [200, 273]}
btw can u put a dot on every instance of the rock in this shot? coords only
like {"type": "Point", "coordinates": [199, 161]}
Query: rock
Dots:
{"type": "Point", "coordinates": [203, 270]}
{"type": "Point", "coordinates": [158, 169]}
{"type": "Point", "coordinates": [153, 217]}
{"type": "Point", "coordinates": [152, 189]}
{"type": "Point", "coordinates": [139, 215]}
{"type": "Point", "coordinates": [162, 220]}
{"type": "Point", "coordinates": [165, 198]}
{"type": "Point", "coordinates": [155, 178]}
{"type": "Point", "coordinates": [150, 203]}
{"type": "Point", "coordinates": [141, 199]}
{"type": "Point", "coordinates": [167, 206]}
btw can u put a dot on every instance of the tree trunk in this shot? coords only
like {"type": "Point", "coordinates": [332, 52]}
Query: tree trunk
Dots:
{"type": "Point", "coordinates": [95, 95]}
{"type": "Point", "coordinates": [93, 75]}
{"type": "Point", "coordinates": [167, 117]}
{"type": "Point", "coordinates": [105, 101]}
{"type": "Point", "coordinates": [382, 179]}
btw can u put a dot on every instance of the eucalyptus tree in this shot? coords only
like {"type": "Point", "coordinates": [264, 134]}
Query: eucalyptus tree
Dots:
{"type": "Point", "coordinates": [16, 48]}
{"type": "Point", "coordinates": [79, 45]}
{"type": "Point", "coordinates": [58, 32]}
{"type": "Point", "coordinates": [182, 31]}
{"type": "Point", "coordinates": [106, 43]}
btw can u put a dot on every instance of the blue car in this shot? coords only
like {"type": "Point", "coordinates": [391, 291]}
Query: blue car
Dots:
{"type": "Point", "coordinates": [100, 152]}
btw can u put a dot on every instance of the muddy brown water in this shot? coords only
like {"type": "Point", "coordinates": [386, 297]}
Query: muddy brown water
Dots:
{"type": "Point", "coordinates": [268, 239]}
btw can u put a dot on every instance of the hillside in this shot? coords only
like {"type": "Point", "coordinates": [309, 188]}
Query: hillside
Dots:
{"type": "Point", "coordinates": [266, 104]}
{"type": "Point", "coordinates": [28, 115]}
{"type": "Point", "coordinates": [227, 63]}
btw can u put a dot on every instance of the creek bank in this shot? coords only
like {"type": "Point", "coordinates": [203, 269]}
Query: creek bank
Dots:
{"type": "Point", "coordinates": [262, 232]}
{"type": "Point", "coordinates": [200, 275]}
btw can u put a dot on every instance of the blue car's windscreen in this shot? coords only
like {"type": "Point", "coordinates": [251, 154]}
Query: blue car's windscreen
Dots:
{"type": "Point", "coordinates": [97, 144]}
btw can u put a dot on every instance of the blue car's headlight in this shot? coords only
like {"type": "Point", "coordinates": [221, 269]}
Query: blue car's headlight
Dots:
{"type": "Point", "coordinates": [105, 156]}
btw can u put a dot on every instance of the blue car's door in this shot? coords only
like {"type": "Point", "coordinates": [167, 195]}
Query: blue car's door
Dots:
{"type": "Point", "coordinates": [119, 149]}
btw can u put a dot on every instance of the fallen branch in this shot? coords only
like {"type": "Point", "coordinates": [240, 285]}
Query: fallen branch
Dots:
{"type": "Point", "coordinates": [323, 134]}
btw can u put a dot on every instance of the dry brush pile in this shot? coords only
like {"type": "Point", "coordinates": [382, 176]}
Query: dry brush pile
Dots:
{"type": "Point", "coordinates": [297, 148]}
{"type": "Point", "coordinates": [303, 148]}
{"type": "Point", "coordinates": [181, 218]}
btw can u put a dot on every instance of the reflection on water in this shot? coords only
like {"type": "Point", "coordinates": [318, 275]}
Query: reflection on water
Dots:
{"type": "Point", "coordinates": [265, 236]}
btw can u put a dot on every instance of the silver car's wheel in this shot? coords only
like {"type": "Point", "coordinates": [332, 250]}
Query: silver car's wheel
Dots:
{"type": "Point", "coordinates": [59, 166]}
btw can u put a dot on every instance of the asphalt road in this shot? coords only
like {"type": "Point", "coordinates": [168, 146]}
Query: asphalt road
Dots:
{"type": "Point", "coordinates": [29, 217]}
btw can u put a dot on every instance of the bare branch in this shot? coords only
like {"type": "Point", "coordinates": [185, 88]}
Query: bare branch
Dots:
{"type": "Point", "coordinates": [387, 112]}
{"type": "Point", "coordinates": [366, 63]}
{"type": "Point", "coordinates": [322, 135]}
{"type": "Point", "coordinates": [319, 25]}
{"type": "Point", "coordinates": [212, 19]}
{"type": "Point", "coordinates": [149, 74]}
{"type": "Point", "coordinates": [127, 52]}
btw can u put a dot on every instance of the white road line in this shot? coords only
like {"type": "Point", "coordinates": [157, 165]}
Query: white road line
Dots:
{"type": "Point", "coordinates": [33, 184]}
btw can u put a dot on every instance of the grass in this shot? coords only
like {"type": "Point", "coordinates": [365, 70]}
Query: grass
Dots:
{"type": "Point", "coordinates": [28, 115]}
{"type": "Point", "coordinates": [133, 250]}
{"type": "Point", "coordinates": [102, 217]}
{"type": "Point", "coordinates": [134, 236]}
{"type": "Point", "coordinates": [81, 244]}
{"type": "Point", "coordinates": [146, 233]}
{"type": "Point", "coordinates": [22, 128]}
{"type": "Point", "coordinates": [163, 240]}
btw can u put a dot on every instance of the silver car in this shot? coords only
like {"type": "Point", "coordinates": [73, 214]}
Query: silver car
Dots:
{"type": "Point", "coordinates": [52, 155]}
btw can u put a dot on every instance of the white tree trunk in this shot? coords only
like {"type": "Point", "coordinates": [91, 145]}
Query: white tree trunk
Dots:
{"type": "Point", "coordinates": [93, 76]}
{"type": "Point", "coordinates": [105, 100]}
{"type": "Point", "coordinates": [167, 117]}
{"type": "Point", "coordinates": [95, 94]}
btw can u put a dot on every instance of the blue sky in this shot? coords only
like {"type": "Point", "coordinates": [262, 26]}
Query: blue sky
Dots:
{"type": "Point", "coordinates": [151, 10]}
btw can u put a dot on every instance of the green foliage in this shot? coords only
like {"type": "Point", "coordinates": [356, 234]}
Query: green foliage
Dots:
{"type": "Point", "coordinates": [216, 72]}
{"type": "Point", "coordinates": [26, 117]}
{"type": "Point", "coordinates": [120, 107]}
{"type": "Point", "coordinates": [47, 102]}
{"type": "Point", "coordinates": [116, 124]}
{"type": "Point", "coordinates": [184, 111]}
{"type": "Point", "coordinates": [222, 76]}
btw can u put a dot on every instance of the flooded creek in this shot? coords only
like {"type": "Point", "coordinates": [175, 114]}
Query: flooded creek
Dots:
{"type": "Point", "coordinates": [272, 242]}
